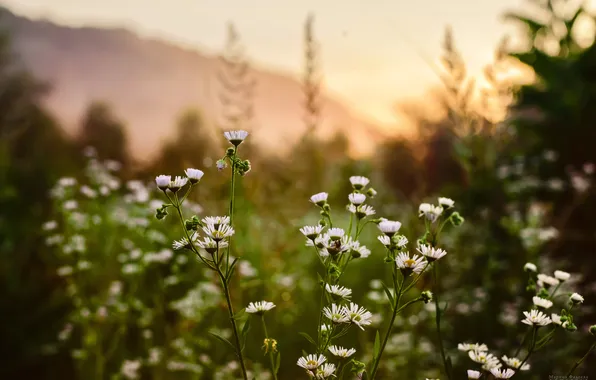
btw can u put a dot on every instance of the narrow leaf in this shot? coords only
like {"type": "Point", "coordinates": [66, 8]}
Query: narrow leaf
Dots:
{"type": "Point", "coordinates": [224, 340]}
{"type": "Point", "coordinates": [231, 268]}
{"type": "Point", "coordinates": [244, 332]}
{"type": "Point", "coordinates": [239, 314]}
{"type": "Point", "coordinates": [307, 337]}
{"type": "Point", "coordinates": [389, 295]}
{"type": "Point", "coordinates": [277, 362]}
{"type": "Point", "coordinates": [377, 345]}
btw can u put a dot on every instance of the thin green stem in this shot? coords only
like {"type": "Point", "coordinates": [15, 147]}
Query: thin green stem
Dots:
{"type": "Point", "coordinates": [580, 361]}
{"type": "Point", "coordinates": [226, 290]}
{"type": "Point", "coordinates": [178, 208]}
{"type": "Point", "coordinates": [416, 278]}
{"type": "Point", "coordinates": [521, 345]}
{"type": "Point", "coordinates": [398, 295]}
{"type": "Point", "coordinates": [232, 198]}
{"type": "Point", "coordinates": [350, 227]}
{"type": "Point", "coordinates": [438, 322]}
{"type": "Point", "coordinates": [532, 346]}
{"type": "Point", "coordinates": [269, 348]}
{"type": "Point", "coordinates": [545, 339]}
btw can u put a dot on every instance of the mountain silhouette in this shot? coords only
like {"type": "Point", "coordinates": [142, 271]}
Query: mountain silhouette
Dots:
{"type": "Point", "coordinates": [149, 83]}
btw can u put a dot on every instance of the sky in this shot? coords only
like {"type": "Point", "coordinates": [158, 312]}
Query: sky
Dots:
{"type": "Point", "coordinates": [372, 51]}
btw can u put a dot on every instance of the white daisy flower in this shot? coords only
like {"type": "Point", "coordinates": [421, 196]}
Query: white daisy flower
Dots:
{"type": "Point", "coordinates": [556, 318]}
{"type": "Point", "coordinates": [529, 267]}
{"type": "Point", "coordinates": [562, 276]}
{"type": "Point", "coordinates": [472, 347]}
{"type": "Point", "coordinates": [473, 374]}
{"type": "Point", "coordinates": [542, 302]}
{"type": "Point", "coordinates": [389, 227]}
{"type": "Point", "coordinates": [259, 307]}
{"type": "Point", "coordinates": [216, 221]}
{"type": "Point", "coordinates": [446, 202]}
{"type": "Point", "coordinates": [400, 240]}
{"type": "Point", "coordinates": [359, 251]}
{"type": "Point", "coordinates": [336, 314]}
{"type": "Point", "coordinates": [319, 199]}
{"type": "Point", "coordinates": [177, 183]}
{"type": "Point", "coordinates": [431, 253]}
{"type": "Point", "coordinates": [194, 175]}
{"type": "Point", "coordinates": [180, 244]}
{"type": "Point", "coordinates": [336, 246]}
{"type": "Point", "coordinates": [235, 137]}
{"type": "Point", "coordinates": [224, 231]}
{"type": "Point", "coordinates": [430, 212]}
{"type": "Point", "coordinates": [536, 318]}
{"type": "Point", "coordinates": [576, 298]}
{"type": "Point", "coordinates": [336, 233]}
{"type": "Point", "coordinates": [502, 373]}
{"type": "Point", "coordinates": [311, 361]}
{"type": "Point", "coordinates": [544, 279]}
{"type": "Point", "coordinates": [320, 241]}
{"type": "Point", "coordinates": [359, 182]}
{"type": "Point", "coordinates": [210, 245]}
{"type": "Point", "coordinates": [385, 240]}
{"type": "Point", "coordinates": [358, 315]}
{"type": "Point", "coordinates": [409, 265]}
{"type": "Point", "coordinates": [326, 370]}
{"type": "Point", "coordinates": [357, 198]}
{"type": "Point", "coordinates": [339, 291]}
{"type": "Point", "coordinates": [363, 211]}
{"type": "Point", "coordinates": [424, 208]}
{"type": "Point", "coordinates": [487, 360]}
{"type": "Point", "coordinates": [163, 181]}
{"type": "Point", "coordinates": [312, 232]}
{"type": "Point", "coordinates": [341, 352]}
{"type": "Point", "coordinates": [515, 363]}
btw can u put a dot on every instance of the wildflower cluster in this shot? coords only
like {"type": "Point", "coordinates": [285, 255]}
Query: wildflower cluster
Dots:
{"type": "Point", "coordinates": [209, 238]}
{"type": "Point", "coordinates": [336, 248]}
{"type": "Point", "coordinates": [122, 279]}
{"type": "Point", "coordinates": [539, 317]}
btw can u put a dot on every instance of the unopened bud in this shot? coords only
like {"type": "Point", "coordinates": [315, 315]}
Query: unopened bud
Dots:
{"type": "Point", "coordinates": [593, 330]}
{"type": "Point", "coordinates": [426, 296]}
{"type": "Point", "coordinates": [456, 219]}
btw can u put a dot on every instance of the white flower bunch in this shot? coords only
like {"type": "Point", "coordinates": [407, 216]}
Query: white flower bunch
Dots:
{"type": "Point", "coordinates": [337, 247]}
{"type": "Point", "coordinates": [209, 238]}
{"type": "Point", "coordinates": [536, 320]}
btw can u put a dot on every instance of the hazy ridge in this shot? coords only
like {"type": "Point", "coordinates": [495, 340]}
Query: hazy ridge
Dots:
{"type": "Point", "coordinates": [149, 83]}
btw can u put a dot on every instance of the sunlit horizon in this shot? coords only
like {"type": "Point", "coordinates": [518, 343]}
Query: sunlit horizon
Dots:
{"type": "Point", "coordinates": [373, 55]}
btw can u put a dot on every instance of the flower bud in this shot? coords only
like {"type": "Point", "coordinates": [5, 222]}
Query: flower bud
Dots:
{"type": "Point", "coordinates": [371, 193]}
{"type": "Point", "coordinates": [230, 152]}
{"type": "Point", "coordinates": [426, 296]}
{"type": "Point", "coordinates": [221, 165]}
{"type": "Point", "coordinates": [593, 330]}
{"type": "Point", "coordinates": [161, 212]}
{"type": "Point", "coordinates": [530, 267]}
{"type": "Point", "coordinates": [456, 219]}
{"type": "Point", "coordinates": [570, 326]}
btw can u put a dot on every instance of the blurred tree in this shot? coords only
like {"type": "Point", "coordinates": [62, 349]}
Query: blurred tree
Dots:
{"type": "Point", "coordinates": [554, 117]}
{"type": "Point", "coordinates": [101, 130]}
{"type": "Point", "coordinates": [191, 147]}
{"type": "Point", "coordinates": [33, 154]}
